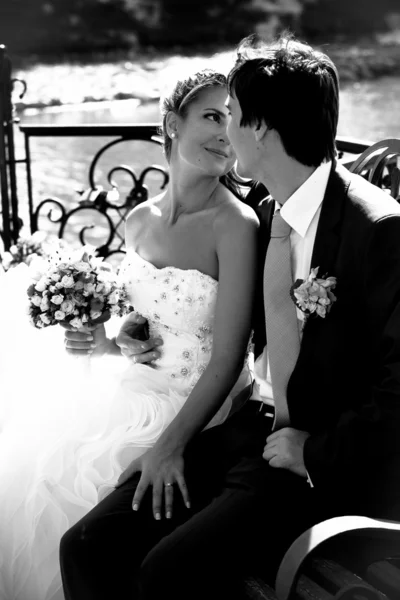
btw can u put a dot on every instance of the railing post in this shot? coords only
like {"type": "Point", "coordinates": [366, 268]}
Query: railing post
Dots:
{"type": "Point", "coordinates": [8, 181]}
{"type": "Point", "coordinates": [5, 204]}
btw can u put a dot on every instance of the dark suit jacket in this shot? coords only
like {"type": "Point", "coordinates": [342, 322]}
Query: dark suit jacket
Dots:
{"type": "Point", "coordinates": [345, 388]}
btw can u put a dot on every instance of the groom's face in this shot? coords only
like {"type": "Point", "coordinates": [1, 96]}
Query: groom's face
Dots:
{"type": "Point", "coordinates": [242, 139]}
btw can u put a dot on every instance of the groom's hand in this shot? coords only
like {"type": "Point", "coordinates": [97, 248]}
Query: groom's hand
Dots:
{"type": "Point", "coordinates": [133, 340]}
{"type": "Point", "coordinates": [285, 450]}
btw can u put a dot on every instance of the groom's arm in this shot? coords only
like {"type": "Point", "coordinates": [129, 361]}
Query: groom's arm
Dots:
{"type": "Point", "coordinates": [367, 439]}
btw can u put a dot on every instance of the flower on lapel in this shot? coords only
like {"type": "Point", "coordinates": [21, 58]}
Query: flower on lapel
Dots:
{"type": "Point", "coordinates": [314, 295]}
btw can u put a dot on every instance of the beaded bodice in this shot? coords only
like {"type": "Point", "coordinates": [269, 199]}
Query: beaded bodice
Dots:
{"type": "Point", "coordinates": [179, 306]}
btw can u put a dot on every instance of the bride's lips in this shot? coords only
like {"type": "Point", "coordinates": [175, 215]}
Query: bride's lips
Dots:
{"type": "Point", "coordinates": [217, 152]}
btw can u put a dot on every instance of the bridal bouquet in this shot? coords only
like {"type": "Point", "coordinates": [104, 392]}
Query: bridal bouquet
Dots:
{"type": "Point", "coordinates": [75, 287]}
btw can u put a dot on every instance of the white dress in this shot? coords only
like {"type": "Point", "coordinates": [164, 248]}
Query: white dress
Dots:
{"type": "Point", "coordinates": [67, 431]}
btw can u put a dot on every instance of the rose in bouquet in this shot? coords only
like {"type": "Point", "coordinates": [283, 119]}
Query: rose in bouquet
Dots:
{"type": "Point", "coordinates": [76, 288]}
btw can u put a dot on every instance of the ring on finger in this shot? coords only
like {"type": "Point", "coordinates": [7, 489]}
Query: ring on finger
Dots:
{"type": "Point", "coordinates": [168, 484]}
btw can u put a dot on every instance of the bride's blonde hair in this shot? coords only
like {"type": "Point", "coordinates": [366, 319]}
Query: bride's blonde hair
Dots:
{"type": "Point", "coordinates": [185, 92]}
{"type": "Point", "coordinates": [182, 95]}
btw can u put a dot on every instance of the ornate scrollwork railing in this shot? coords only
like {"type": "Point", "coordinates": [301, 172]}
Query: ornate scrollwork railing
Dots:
{"type": "Point", "coordinates": [102, 210]}
{"type": "Point", "coordinates": [95, 215]}
{"type": "Point", "coordinates": [101, 213]}
{"type": "Point", "coordinates": [380, 164]}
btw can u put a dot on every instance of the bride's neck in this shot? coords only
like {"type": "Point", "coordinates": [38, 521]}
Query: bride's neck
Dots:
{"type": "Point", "coordinates": [188, 194]}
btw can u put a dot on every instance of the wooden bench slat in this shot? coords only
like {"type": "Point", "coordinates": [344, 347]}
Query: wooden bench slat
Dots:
{"type": "Point", "coordinates": [359, 591]}
{"type": "Point", "coordinates": [257, 589]}
{"type": "Point", "coordinates": [386, 577]}
{"type": "Point", "coordinates": [307, 589]}
{"type": "Point", "coordinates": [334, 577]}
{"type": "Point", "coordinates": [331, 573]}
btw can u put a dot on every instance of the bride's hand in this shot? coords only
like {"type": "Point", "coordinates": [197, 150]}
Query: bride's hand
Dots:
{"type": "Point", "coordinates": [163, 469]}
{"type": "Point", "coordinates": [89, 340]}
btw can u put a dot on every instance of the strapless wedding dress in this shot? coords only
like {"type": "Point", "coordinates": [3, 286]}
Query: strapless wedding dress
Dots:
{"type": "Point", "coordinates": [68, 431]}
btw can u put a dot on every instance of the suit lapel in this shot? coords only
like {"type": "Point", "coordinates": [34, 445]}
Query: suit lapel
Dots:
{"type": "Point", "coordinates": [328, 231]}
{"type": "Point", "coordinates": [265, 211]}
{"type": "Point", "coordinates": [324, 256]}
{"type": "Point", "coordinates": [327, 238]}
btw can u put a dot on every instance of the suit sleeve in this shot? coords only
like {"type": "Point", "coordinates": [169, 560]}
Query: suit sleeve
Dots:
{"type": "Point", "coordinates": [365, 442]}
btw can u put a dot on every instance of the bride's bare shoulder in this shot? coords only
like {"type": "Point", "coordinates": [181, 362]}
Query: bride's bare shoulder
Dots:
{"type": "Point", "coordinates": [233, 212]}
{"type": "Point", "coordinates": [140, 215]}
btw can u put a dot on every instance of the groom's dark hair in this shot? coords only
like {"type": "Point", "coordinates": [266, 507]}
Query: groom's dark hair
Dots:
{"type": "Point", "coordinates": [293, 89]}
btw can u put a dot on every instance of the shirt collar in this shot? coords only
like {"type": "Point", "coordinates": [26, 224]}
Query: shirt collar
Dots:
{"type": "Point", "coordinates": [300, 209]}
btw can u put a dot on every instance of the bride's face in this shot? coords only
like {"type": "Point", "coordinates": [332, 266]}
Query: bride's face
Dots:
{"type": "Point", "coordinates": [202, 139]}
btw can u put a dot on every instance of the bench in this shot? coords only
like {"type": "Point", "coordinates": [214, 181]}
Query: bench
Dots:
{"type": "Point", "coordinates": [349, 557]}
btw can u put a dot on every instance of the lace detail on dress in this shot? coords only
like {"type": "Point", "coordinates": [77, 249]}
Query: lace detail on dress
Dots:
{"type": "Point", "coordinates": [179, 306]}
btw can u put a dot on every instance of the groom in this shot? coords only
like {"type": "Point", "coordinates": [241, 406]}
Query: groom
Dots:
{"type": "Point", "coordinates": [318, 435]}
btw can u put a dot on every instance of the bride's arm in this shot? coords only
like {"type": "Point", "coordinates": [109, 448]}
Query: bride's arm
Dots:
{"type": "Point", "coordinates": [163, 465]}
{"type": "Point", "coordinates": [237, 255]}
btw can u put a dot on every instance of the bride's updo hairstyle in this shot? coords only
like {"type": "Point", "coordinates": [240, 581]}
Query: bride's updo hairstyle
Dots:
{"type": "Point", "coordinates": [183, 94]}
{"type": "Point", "coordinates": [179, 100]}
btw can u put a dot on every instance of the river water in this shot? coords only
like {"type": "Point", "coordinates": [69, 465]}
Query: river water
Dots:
{"type": "Point", "coordinates": [369, 110]}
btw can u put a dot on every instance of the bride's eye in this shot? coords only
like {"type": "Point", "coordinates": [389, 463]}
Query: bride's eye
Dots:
{"type": "Point", "coordinates": [213, 117]}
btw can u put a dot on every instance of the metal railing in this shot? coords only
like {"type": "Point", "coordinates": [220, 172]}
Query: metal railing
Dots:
{"type": "Point", "coordinates": [112, 209]}
{"type": "Point", "coordinates": [108, 204]}
{"type": "Point", "coordinates": [8, 179]}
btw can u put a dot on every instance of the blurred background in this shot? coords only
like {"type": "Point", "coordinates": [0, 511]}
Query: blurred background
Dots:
{"type": "Point", "coordinates": [108, 61]}
{"type": "Point", "coordinates": [80, 51]}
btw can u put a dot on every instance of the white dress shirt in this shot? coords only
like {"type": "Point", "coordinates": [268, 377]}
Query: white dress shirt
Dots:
{"type": "Point", "coordinates": [301, 211]}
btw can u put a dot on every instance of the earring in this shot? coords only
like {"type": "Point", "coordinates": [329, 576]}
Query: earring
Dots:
{"type": "Point", "coordinates": [173, 135]}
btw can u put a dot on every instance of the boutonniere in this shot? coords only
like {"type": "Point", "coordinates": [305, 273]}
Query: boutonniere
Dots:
{"type": "Point", "coordinates": [314, 295]}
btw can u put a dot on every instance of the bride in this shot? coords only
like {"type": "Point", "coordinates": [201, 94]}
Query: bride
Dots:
{"type": "Point", "coordinates": [69, 437]}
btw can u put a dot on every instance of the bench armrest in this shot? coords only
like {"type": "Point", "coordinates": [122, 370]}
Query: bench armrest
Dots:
{"type": "Point", "coordinates": [311, 539]}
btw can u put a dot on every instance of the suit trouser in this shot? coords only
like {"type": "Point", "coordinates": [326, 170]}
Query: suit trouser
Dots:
{"type": "Point", "coordinates": [240, 505]}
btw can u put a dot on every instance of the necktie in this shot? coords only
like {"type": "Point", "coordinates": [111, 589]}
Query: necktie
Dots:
{"type": "Point", "coordinates": [283, 342]}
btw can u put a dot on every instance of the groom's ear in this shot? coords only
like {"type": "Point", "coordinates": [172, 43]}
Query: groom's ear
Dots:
{"type": "Point", "coordinates": [260, 131]}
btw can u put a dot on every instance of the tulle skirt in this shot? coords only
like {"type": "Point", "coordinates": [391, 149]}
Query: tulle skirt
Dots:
{"type": "Point", "coordinates": [67, 431]}
{"type": "Point", "coordinates": [60, 456]}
